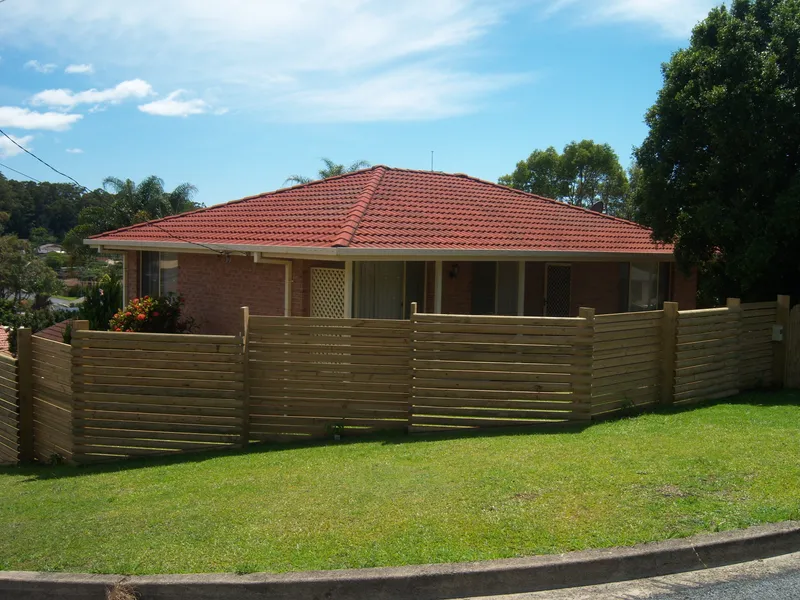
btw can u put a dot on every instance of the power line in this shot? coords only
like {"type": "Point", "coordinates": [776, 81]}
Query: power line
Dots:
{"type": "Point", "coordinates": [13, 141]}
{"type": "Point", "coordinates": [14, 170]}
{"type": "Point", "coordinates": [84, 188]}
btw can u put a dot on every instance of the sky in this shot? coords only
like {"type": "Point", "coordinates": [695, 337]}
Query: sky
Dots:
{"type": "Point", "coordinates": [235, 96]}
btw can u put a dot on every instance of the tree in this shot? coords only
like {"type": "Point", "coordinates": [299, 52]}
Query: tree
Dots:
{"type": "Point", "coordinates": [331, 169]}
{"type": "Point", "coordinates": [584, 174]}
{"type": "Point", "coordinates": [22, 273]}
{"type": "Point", "coordinates": [720, 167]}
{"type": "Point", "coordinates": [127, 204]}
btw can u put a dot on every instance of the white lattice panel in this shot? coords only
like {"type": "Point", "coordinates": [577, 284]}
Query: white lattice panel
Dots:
{"type": "Point", "coordinates": [327, 293]}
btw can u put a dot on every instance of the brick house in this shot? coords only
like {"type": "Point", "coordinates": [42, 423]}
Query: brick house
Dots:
{"type": "Point", "coordinates": [369, 243]}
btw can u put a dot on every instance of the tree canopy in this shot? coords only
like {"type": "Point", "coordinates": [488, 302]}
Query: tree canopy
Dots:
{"type": "Point", "coordinates": [331, 169]}
{"type": "Point", "coordinates": [584, 174]}
{"type": "Point", "coordinates": [720, 167]}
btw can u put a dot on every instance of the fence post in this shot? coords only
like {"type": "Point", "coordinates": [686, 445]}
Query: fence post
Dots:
{"type": "Point", "coordinates": [78, 424]}
{"type": "Point", "coordinates": [735, 307]}
{"type": "Point", "coordinates": [584, 367]}
{"type": "Point", "coordinates": [412, 320]}
{"type": "Point", "coordinates": [245, 439]}
{"type": "Point", "coordinates": [25, 393]}
{"type": "Point", "coordinates": [779, 348]}
{"type": "Point", "coordinates": [669, 335]}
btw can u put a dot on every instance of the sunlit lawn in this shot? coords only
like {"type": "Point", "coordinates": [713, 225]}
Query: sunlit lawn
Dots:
{"type": "Point", "coordinates": [410, 499]}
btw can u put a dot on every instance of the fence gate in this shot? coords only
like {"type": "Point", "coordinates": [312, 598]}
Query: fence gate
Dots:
{"type": "Point", "coordinates": [327, 293]}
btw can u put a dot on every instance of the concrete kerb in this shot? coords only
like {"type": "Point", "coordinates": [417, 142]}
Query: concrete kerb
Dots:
{"type": "Point", "coordinates": [429, 582]}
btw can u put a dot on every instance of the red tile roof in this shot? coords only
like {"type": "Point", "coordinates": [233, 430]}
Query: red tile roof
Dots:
{"type": "Point", "coordinates": [391, 208]}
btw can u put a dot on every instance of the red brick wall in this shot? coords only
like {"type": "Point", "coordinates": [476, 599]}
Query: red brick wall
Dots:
{"type": "Point", "coordinates": [595, 285]}
{"type": "Point", "coordinates": [684, 289]}
{"type": "Point", "coordinates": [216, 287]}
{"type": "Point", "coordinates": [534, 289]}
{"type": "Point", "coordinates": [457, 291]}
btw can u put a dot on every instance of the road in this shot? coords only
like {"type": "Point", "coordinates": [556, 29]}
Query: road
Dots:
{"type": "Point", "coordinates": [771, 579]}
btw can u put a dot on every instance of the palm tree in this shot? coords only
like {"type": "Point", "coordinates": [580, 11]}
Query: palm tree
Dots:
{"type": "Point", "coordinates": [148, 200]}
{"type": "Point", "coordinates": [331, 169]}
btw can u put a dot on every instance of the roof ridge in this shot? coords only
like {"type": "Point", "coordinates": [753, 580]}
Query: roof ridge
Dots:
{"type": "Point", "coordinates": [238, 201]}
{"type": "Point", "coordinates": [359, 209]}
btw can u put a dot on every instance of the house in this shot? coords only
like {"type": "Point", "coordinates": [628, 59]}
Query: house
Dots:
{"type": "Point", "coordinates": [45, 249]}
{"type": "Point", "coordinates": [369, 243]}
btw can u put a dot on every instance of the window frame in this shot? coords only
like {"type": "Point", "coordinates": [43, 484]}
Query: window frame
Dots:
{"type": "Point", "coordinates": [160, 269]}
{"type": "Point", "coordinates": [658, 284]}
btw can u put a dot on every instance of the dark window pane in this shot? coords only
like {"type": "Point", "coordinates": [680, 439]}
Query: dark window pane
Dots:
{"type": "Point", "coordinates": [484, 280]}
{"type": "Point", "coordinates": [507, 288]}
{"type": "Point", "coordinates": [169, 273]}
{"type": "Point", "coordinates": [415, 287]}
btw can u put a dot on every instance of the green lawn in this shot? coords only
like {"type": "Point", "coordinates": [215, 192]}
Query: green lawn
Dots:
{"type": "Point", "coordinates": [405, 500]}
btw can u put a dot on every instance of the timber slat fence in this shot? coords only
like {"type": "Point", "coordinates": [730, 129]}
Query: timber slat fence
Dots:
{"type": "Point", "coordinates": [108, 396]}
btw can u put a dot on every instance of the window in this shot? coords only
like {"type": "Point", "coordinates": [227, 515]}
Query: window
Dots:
{"type": "Point", "coordinates": [495, 288]}
{"type": "Point", "coordinates": [159, 274]}
{"type": "Point", "coordinates": [385, 290]}
{"type": "Point", "coordinates": [643, 294]}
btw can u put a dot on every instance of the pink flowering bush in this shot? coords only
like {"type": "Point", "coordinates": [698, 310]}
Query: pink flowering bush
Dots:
{"type": "Point", "coordinates": [153, 315]}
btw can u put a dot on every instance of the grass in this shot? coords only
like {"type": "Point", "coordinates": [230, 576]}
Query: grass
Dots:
{"type": "Point", "coordinates": [399, 500]}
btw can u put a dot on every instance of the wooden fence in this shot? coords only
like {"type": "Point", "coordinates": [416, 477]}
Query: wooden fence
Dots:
{"type": "Point", "coordinates": [52, 400]}
{"type": "Point", "coordinates": [316, 377]}
{"type": "Point", "coordinates": [9, 410]}
{"type": "Point", "coordinates": [116, 395]}
{"type": "Point", "coordinates": [142, 394]}
{"type": "Point", "coordinates": [499, 371]}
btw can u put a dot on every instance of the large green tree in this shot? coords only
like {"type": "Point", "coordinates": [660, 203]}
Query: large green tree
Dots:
{"type": "Point", "coordinates": [584, 174]}
{"type": "Point", "coordinates": [22, 273]}
{"type": "Point", "coordinates": [720, 168]}
{"type": "Point", "coordinates": [331, 169]}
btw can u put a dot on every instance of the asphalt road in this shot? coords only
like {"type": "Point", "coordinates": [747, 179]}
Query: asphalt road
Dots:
{"type": "Point", "coordinates": [771, 579]}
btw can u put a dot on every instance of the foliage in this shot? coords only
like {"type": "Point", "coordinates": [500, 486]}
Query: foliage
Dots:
{"type": "Point", "coordinates": [40, 236]}
{"type": "Point", "coordinates": [14, 315]}
{"type": "Point", "coordinates": [473, 497]}
{"type": "Point", "coordinates": [584, 174]}
{"type": "Point", "coordinates": [55, 260]}
{"type": "Point", "coordinates": [102, 301]}
{"type": "Point", "coordinates": [720, 167]}
{"type": "Point", "coordinates": [152, 315]}
{"type": "Point", "coordinates": [127, 204]}
{"type": "Point", "coordinates": [22, 272]}
{"type": "Point", "coordinates": [331, 169]}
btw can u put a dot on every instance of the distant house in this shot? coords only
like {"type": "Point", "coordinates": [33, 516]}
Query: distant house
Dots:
{"type": "Point", "coordinates": [369, 243]}
{"type": "Point", "coordinates": [48, 248]}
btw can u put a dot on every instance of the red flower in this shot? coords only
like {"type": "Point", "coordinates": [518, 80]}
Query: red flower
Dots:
{"type": "Point", "coordinates": [118, 329]}
{"type": "Point", "coordinates": [128, 314]}
{"type": "Point", "coordinates": [141, 317]}
{"type": "Point", "coordinates": [135, 301]}
{"type": "Point", "coordinates": [155, 313]}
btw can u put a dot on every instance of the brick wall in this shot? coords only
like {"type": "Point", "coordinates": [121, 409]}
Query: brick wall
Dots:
{"type": "Point", "coordinates": [684, 289]}
{"type": "Point", "coordinates": [534, 289]}
{"type": "Point", "coordinates": [216, 287]}
{"type": "Point", "coordinates": [595, 285]}
{"type": "Point", "coordinates": [457, 291]}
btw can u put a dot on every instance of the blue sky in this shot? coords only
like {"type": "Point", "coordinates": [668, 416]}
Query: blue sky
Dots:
{"type": "Point", "coordinates": [235, 96]}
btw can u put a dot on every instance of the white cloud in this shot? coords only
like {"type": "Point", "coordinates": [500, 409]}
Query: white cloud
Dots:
{"type": "Point", "coordinates": [674, 18]}
{"type": "Point", "coordinates": [62, 98]}
{"type": "Point", "coordinates": [257, 52]}
{"type": "Point", "coordinates": [39, 67]}
{"type": "Point", "coordinates": [24, 118]}
{"type": "Point", "coordinates": [8, 149]}
{"type": "Point", "coordinates": [74, 151]}
{"type": "Point", "coordinates": [82, 69]}
{"type": "Point", "coordinates": [402, 95]}
{"type": "Point", "coordinates": [171, 106]}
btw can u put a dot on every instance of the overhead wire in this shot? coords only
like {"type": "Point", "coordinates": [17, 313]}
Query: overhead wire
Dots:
{"type": "Point", "coordinates": [84, 188]}
{"type": "Point", "coordinates": [2, 166]}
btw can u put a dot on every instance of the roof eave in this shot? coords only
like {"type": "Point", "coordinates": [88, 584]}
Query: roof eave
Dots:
{"type": "Point", "coordinates": [328, 253]}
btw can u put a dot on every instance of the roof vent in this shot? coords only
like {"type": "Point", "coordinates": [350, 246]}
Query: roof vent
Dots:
{"type": "Point", "coordinates": [598, 207]}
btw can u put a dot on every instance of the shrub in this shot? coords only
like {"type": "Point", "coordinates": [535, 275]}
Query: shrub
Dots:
{"type": "Point", "coordinates": [102, 301]}
{"type": "Point", "coordinates": [153, 315]}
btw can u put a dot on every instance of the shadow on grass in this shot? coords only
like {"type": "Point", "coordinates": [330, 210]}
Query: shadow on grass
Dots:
{"type": "Point", "coordinates": [39, 472]}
